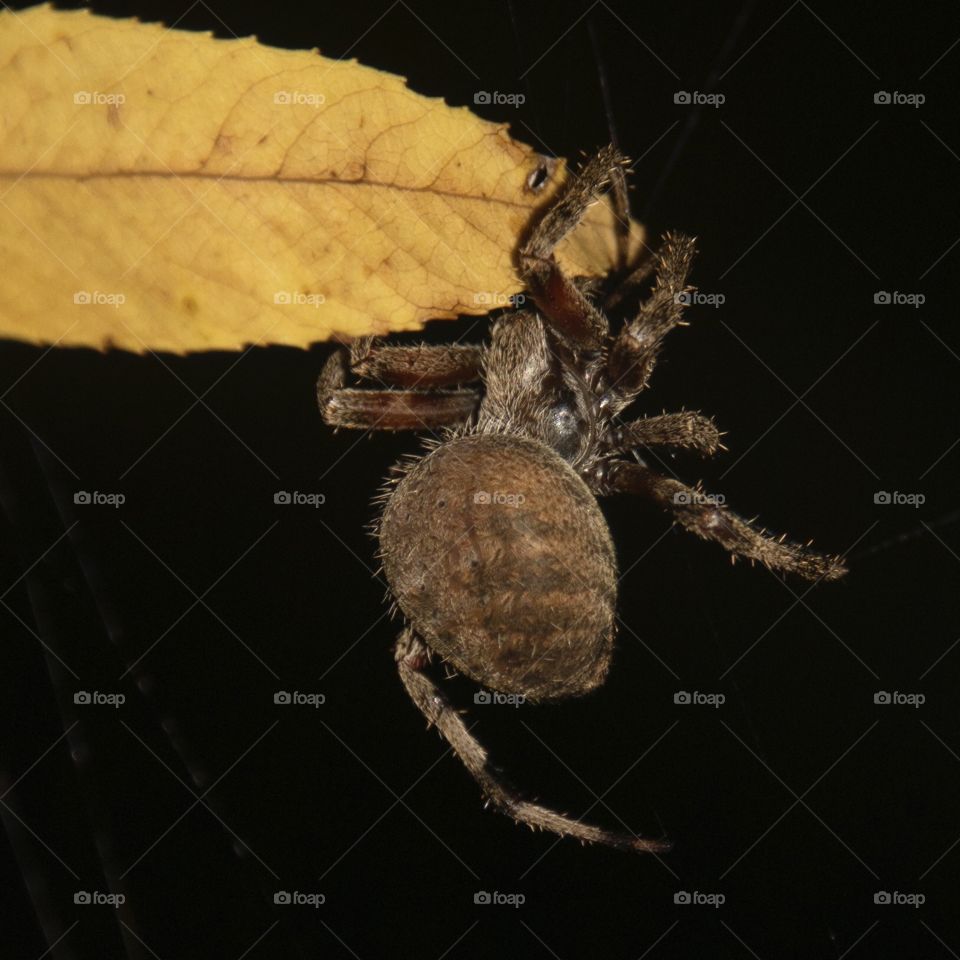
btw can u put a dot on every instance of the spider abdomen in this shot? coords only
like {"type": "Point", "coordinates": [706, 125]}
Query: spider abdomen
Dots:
{"type": "Point", "coordinates": [500, 558]}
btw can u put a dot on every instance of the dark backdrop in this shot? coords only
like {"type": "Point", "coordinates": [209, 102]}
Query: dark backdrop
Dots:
{"type": "Point", "coordinates": [797, 800]}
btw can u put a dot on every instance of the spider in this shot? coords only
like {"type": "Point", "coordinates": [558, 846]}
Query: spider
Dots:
{"type": "Point", "coordinates": [492, 541]}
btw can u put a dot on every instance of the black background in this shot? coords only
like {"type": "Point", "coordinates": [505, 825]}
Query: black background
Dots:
{"type": "Point", "coordinates": [797, 800]}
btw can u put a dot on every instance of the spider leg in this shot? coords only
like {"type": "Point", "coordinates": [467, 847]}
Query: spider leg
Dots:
{"type": "Point", "coordinates": [360, 409]}
{"type": "Point", "coordinates": [634, 351]}
{"type": "Point", "coordinates": [412, 655]}
{"type": "Point", "coordinates": [691, 431]}
{"type": "Point", "coordinates": [421, 365]}
{"type": "Point", "coordinates": [703, 515]}
{"type": "Point", "coordinates": [565, 307]}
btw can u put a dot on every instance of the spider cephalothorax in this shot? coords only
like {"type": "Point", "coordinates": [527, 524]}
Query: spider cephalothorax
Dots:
{"type": "Point", "coordinates": [492, 542]}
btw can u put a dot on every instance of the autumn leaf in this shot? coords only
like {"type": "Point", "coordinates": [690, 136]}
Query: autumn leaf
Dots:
{"type": "Point", "coordinates": [165, 190]}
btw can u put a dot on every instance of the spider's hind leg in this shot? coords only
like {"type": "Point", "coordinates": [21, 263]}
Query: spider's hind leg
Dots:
{"type": "Point", "coordinates": [412, 656]}
{"type": "Point", "coordinates": [708, 518]}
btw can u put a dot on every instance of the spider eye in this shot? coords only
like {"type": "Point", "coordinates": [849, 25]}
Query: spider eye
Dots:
{"type": "Point", "coordinates": [564, 429]}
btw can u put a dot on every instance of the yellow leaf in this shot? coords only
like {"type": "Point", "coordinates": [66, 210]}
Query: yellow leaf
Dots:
{"type": "Point", "coordinates": [165, 190]}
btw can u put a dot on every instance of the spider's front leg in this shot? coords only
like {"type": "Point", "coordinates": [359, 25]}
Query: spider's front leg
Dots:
{"type": "Point", "coordinates": [707, 518]}
{"type": "Point", "coordinates": [420, 366]}
{"type": "Point", "coordinates": [567, 310]}
{"type": "Point", "coordinates": [413, 656]}
{"type": "Point", "coordinates": [634, 352]}
{"type": "Point", "coordinates": [690, 431]}
{"type": "Point", "coordinates": [420, 370]}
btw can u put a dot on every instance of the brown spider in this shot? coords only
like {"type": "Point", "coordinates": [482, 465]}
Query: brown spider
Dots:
{"type": "Point", "coordinates": [492, 542]}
